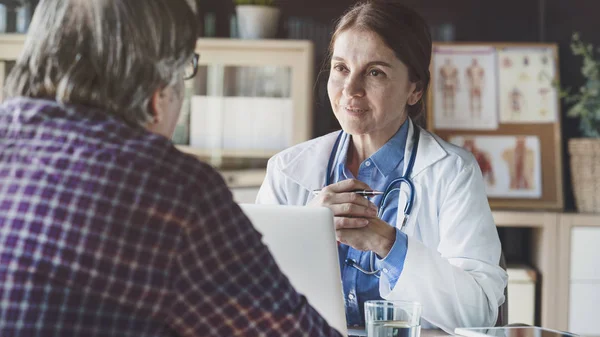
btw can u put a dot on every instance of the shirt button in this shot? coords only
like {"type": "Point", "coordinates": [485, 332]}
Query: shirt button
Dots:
{"type": "Point", "coordinates": [385, 270]}
{"type": "Point", "coordinates": [351, 297]}
{"type": "Point", "coordinates": [368, 163]}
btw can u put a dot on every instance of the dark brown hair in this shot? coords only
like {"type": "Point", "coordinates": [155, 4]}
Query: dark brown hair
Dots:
{"type": "Point", "coordinates": [403, 30]}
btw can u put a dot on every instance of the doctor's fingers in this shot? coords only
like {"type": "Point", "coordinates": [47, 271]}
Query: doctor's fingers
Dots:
{"type": "Point", "coordinates": [349, 198]}
{"type": "Point", "coordinates": [342, 222]}
{"type": "Point", "coordinates": [347, 185]}
{"type": "Point", "coordinates": [350, 209]}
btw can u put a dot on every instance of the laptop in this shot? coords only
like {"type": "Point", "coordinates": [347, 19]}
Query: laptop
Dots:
{"type": "Point", "coordinates": [288, 230]}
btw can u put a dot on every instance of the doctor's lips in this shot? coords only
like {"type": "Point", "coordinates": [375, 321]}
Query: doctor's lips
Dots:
{"type": "Point", "coordinates": [355, 110]}
{"type": "Point", "coordinates": [364, 193]}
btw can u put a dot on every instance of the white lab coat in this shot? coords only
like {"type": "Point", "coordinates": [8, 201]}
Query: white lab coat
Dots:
{"type": "Point", "coordinates": [452, 263]}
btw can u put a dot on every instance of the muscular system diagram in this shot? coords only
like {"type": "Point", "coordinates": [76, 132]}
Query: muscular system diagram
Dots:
{"type": "Point", "coordinates": [520, 163]}
{"type": "Point", "coordinates": [483, 160]}
{"type": "Point", "coordinates": [476, 79]}
{"type": "Point", "coordinates": [449, 86]}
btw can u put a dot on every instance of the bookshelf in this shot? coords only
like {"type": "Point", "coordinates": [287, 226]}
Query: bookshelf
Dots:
{"type": "Point", "coordinates": [249, 100]}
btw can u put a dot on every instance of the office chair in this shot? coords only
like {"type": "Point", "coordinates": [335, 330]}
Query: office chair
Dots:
{"type": "Point", "coordinates": [503, 309]}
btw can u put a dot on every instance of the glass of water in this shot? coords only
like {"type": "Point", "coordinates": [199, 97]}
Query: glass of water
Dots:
{"type": "Point", "coordinates": [393, 318]}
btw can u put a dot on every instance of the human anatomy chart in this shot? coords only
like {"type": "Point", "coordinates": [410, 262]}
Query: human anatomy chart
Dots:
{"type": "Point", "coordinates": [510, 165]}
{"type": "Point", "coordinates": [526, 86]}
{"type": "Point", "coordinates": [501, 102]}
{"type": "Point", "coordinates": [464, 87]}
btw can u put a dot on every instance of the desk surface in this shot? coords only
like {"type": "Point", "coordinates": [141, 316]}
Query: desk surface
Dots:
{"type": "Point", "coordinates": [424, 333]}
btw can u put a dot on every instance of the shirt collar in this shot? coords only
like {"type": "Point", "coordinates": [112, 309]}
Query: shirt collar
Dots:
{"type": "Point", "coordinates": [387, 158]}
{"type": "Point", "coordinates": [391, 154]}
{"type": "Point", "coordinates": [343, 156]}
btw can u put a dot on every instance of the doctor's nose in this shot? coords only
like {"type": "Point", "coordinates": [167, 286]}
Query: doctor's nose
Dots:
{"type": "Point", "coordinates": [353, 87]}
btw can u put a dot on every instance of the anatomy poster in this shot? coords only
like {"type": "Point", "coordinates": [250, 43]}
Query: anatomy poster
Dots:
{"type": "Point", "coordinates": [527, 93]}
{"type": "Point", "coordinates": [464, 87]}
{"type": "Point", "coordinates": [510, 165]}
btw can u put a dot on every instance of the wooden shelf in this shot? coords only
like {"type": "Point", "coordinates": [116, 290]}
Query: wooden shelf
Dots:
{"type": "Point", "coordinates": [243, 178]}
{"type": "Point", "coordinates": [567, 223]}
{"type": "Point", "coordinates": [544, 253]}
{"type": "Point", "coordinates": [224, 153]}
{"type": "Point", "coordinates": [12, 44]}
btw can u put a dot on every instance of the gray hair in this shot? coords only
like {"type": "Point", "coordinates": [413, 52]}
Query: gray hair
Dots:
{"type": "Point", "coordinates": [110, 54]}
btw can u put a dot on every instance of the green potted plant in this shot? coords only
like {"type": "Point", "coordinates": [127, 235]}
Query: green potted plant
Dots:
{"type": "Point", "coordinates": [257, 19]}
{"type": "Point", "coordinates": [585, 152]}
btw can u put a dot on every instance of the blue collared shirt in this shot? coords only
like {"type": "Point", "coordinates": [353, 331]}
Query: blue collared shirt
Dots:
{"type": "Point", "coordinates": [376, 171]}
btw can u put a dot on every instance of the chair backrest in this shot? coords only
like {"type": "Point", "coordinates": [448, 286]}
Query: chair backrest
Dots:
{"type": "Point", "coordinates": [503, 309]}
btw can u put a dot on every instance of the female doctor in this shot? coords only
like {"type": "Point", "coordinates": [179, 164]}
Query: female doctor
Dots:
{"type": "Point", "coordinates": [430, 237]}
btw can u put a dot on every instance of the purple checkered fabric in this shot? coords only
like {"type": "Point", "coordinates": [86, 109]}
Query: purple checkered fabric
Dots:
{"type": "Point", "coordinates": [108, 230]}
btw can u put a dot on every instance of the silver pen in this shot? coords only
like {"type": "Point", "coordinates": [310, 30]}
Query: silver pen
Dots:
{"type": "Point", "coordinates": [364, 193]}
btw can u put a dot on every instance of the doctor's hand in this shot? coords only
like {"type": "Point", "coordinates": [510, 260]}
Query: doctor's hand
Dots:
{"type": "Point", "coordinates": [378, 236]}
{"type": "Point", "coordinates": [350, 209]}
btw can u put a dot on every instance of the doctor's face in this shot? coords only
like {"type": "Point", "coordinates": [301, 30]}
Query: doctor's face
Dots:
{"type": "Point", "coordinates": [368, 85]}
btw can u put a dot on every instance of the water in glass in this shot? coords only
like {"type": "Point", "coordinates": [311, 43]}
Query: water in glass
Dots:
{"type": "Point", "coordinates": [392, 329]}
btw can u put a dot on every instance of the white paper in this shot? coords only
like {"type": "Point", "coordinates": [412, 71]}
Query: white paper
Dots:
{"type": "Point", "coordinates": [269, 132]}
{"type": "Point", "coordinates": [206, 122]}
{"type": "Point", "coordinates": [241, 123]}
{"type": "Point", "coordinates": [239, 116]}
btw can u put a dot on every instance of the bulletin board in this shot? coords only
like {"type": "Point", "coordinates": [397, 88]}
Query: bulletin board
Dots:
{"type": "Point", "coordinates": [500, 101]}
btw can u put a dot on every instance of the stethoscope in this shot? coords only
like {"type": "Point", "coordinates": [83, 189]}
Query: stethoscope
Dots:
{"type": "Point", "coordinates": [389, 189]}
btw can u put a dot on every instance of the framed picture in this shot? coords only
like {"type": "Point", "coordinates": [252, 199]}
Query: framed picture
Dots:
{"type": "Point", "coordinates": [511, 165]}
{"type": "Point", "coordinates": [526, 90]}
{"type": "Point", "coordinates": [465, 87]}
{"type": "Point", "coordinates": [499, 101]}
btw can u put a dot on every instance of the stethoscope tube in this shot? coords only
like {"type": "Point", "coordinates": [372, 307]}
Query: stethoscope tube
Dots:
{"type": "Point", "coordinates": [389, 189]}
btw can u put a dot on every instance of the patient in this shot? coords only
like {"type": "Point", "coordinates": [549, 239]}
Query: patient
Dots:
{"type": "Point", "coordinates": [105, 228]}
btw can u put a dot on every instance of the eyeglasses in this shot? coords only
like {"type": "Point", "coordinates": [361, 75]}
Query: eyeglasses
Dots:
{"type": "Point", "coordinates": [191, 68]}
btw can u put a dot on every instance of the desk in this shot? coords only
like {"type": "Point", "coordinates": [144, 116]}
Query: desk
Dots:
{"type": "Point", "coordinates": [424, 333]}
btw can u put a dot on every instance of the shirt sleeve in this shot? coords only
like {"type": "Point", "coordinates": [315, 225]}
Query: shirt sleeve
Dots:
{"type": "Point", "coordinates": [226, 283]}
{"type": "Point", "coordinates": [391, 266]}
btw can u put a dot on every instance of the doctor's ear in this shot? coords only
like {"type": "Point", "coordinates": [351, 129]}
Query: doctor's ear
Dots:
{"type": "Point", "coordinates": [416, 94]}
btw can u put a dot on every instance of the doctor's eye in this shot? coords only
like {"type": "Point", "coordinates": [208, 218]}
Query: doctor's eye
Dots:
{"type": "Point", "coordinates": [339, 67]}
{"type": "Point", "coordinates": [375, 72]}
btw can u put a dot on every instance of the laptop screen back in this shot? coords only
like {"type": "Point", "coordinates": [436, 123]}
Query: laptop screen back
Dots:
{"type": "Point", "coordinates": [302, 242]}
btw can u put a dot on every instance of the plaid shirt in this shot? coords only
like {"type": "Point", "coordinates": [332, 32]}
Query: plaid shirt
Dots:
{"type": "Point", "coordinates": [108, 230]}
